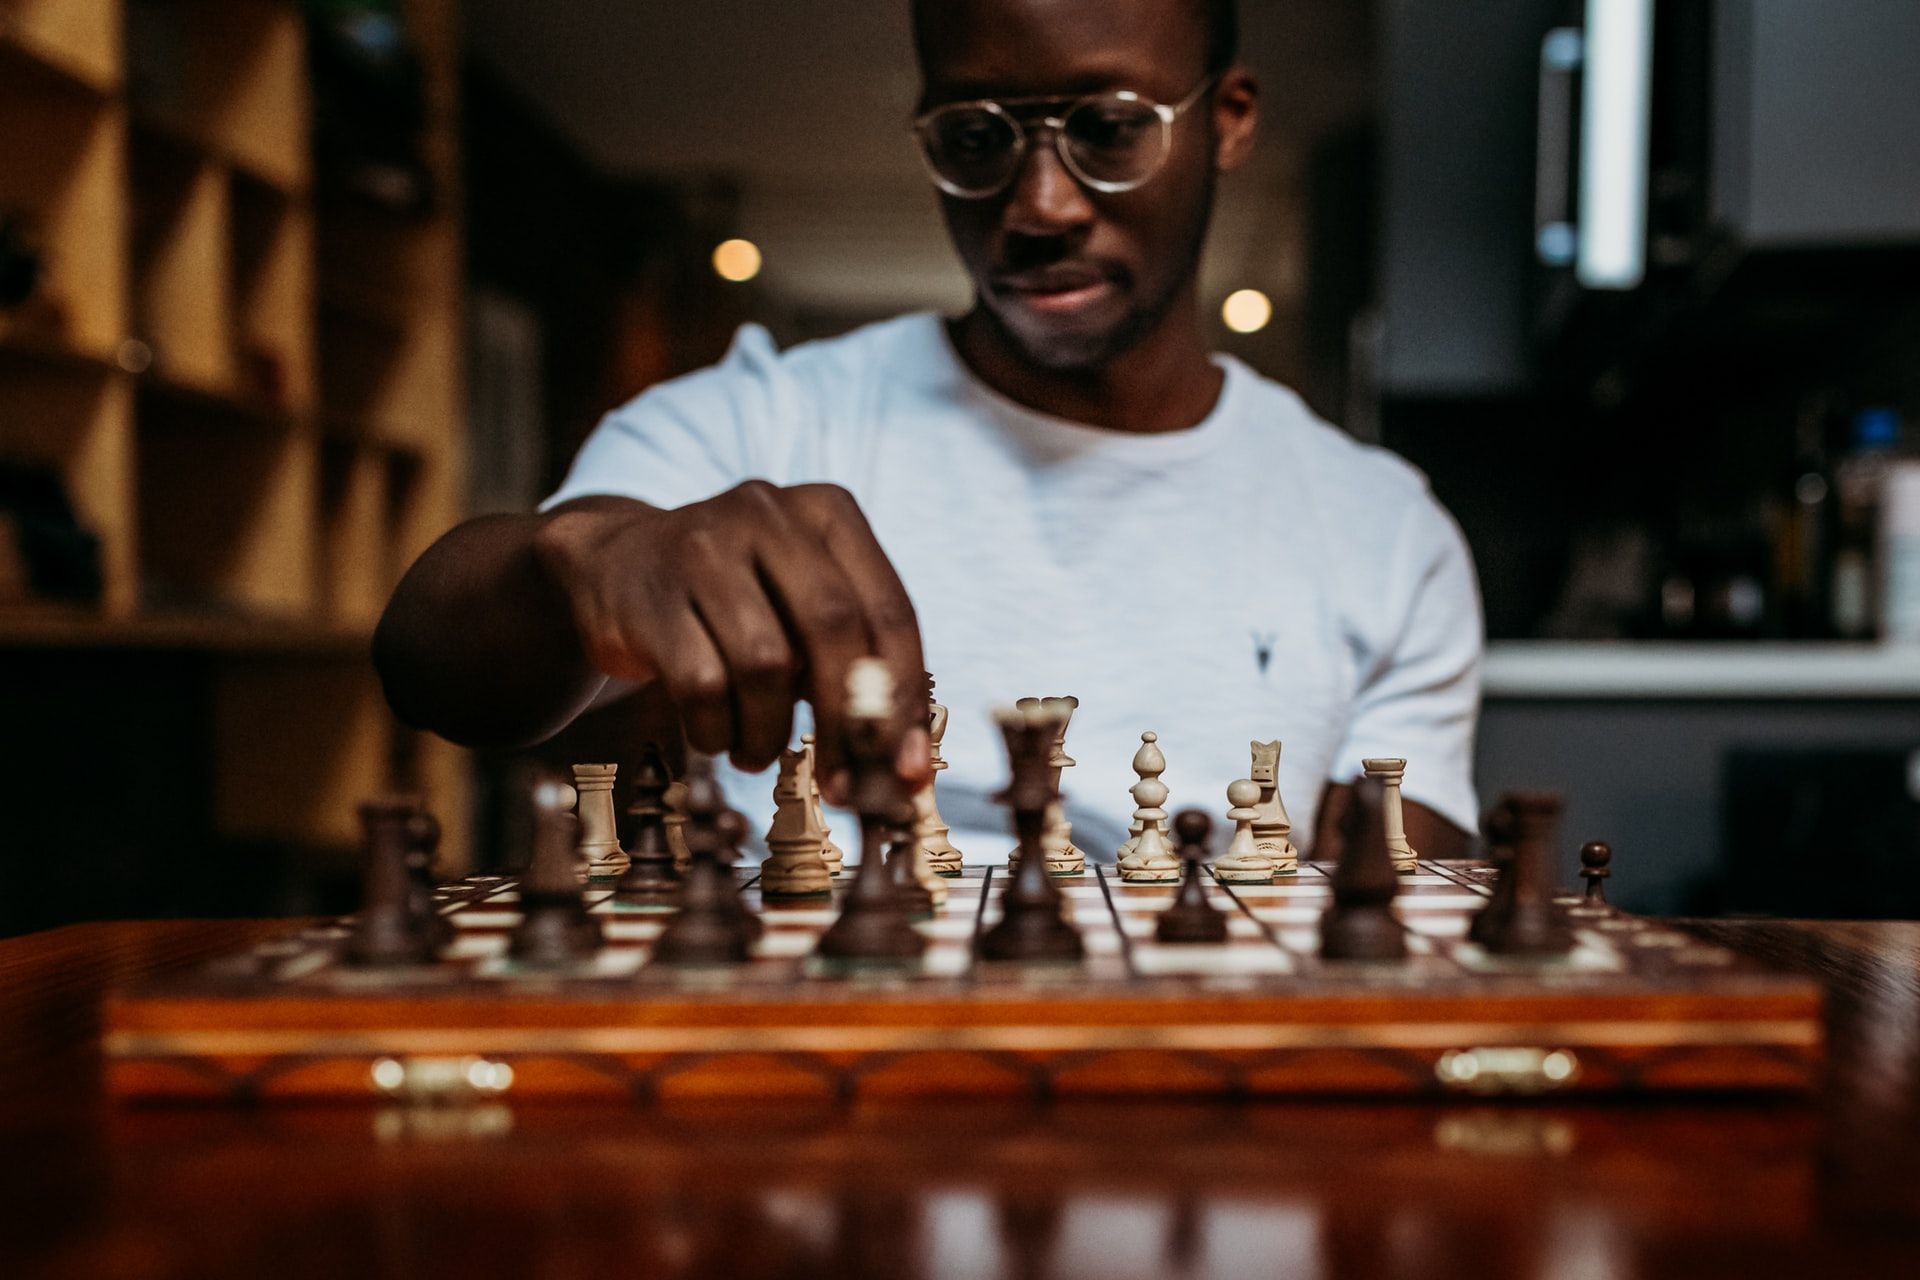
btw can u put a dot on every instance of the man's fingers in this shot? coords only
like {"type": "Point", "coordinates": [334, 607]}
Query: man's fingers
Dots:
{"type": "Point", "coordinates": [695, 676]}
{"type": "Point", "coordinates": [892, 627]}
{"type": "Point", "coordinates": [829, 631]}
{"type": "Point", "coordinates": [759, 663]}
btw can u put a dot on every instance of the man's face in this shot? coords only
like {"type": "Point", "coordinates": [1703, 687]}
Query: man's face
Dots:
{"type": "Point", "coordinates": [1073, 276]}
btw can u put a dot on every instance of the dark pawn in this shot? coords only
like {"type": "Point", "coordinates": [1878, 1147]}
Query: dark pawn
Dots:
{"type": "Point", "coordinates": [1500, 829]}
{"type": "Point", "coordinates": [388, 931]}
{"type": "Point", "coordinates": [1529, 925]}
{"type": "Point", "coordinates": [649, 879]}
{"type": "Point", "coordinates": [915, 898]}
{"type": "Point", "coordinates": [1192, 917]}
{"type": "Point", "coordinates": [874, 922]}
{"type": "Point", "coordinates": [423, 848]}
{"type": "Point", "coordinates": [1033, 923]}
{"type": "Point", "coordinates": [712, 927]}
{"type": "Point", "coordinates": [1596, 864]}
{"type": "Point", "coordinates": [731, 828]}
{"type": "Point", "coordinates": [554, 928]}
{"type": "Point", "coordinates": [1360, 925]}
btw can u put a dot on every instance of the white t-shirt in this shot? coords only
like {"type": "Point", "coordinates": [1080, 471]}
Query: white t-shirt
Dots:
{"type": "Point", "coordinates": [1258, 576]}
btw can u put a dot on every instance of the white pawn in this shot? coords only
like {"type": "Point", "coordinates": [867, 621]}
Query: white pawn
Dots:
{"type": "Point", "coordinates": [1243, 862]}
{"type": "Point", "coordinates": [1148, 858]}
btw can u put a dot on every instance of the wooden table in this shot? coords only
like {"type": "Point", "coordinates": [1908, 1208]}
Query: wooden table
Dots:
{"type": "Point", "coordinates": [1825, 1188]}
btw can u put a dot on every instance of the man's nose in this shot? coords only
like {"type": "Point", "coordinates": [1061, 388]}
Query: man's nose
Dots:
{"type": "Point", "coordinates": [1046, 199]}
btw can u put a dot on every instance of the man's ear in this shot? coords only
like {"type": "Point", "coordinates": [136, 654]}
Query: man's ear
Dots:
{"type": "Point", "coordinates": [1236, 114]}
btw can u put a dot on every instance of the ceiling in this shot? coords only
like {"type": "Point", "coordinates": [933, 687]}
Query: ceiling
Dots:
{"type": "Point", "coordinates": [802, 105]}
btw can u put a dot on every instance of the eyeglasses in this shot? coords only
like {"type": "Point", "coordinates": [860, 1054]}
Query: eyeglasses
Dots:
{"type": "Point", "coordinates": [1111, 141]}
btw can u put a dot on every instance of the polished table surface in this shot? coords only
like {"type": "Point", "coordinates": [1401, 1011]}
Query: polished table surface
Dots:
{"type": "Point", "coordinates": [1824, 1187]}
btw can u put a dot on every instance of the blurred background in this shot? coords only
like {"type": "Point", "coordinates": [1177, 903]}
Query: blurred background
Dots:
{"type": "Point", "coordinates": [287, 287]}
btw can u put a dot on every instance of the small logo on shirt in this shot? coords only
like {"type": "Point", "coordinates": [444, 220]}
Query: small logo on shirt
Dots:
{"type": "Point", "coordinates": [1263, 648]}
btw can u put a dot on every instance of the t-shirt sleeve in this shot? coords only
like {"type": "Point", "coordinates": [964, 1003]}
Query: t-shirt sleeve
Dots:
{"type": "Point", "coordinates": [689, 439]}
{"type": "Point", "coordinates": [1420, 697]}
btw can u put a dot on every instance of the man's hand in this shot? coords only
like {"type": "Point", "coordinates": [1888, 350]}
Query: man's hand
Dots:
{"type": "Point", "coordinates": [739, 606]}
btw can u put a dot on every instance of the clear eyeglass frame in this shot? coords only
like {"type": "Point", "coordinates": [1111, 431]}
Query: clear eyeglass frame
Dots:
{"type": "Point", "coordinates": [1054, 125]}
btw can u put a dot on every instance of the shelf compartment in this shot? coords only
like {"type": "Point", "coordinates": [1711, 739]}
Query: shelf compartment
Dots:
{"type": "Point", "coordinates": [398, 387]}
{"type": "Point", "coordinates": [273, 295]}
{"type": "Point", "coordinates": [183, 265]}
{"type": "Point", "coordinates": [79, 421]}
{"type": "Point", "coordinates": [229, 78]}
{"type": "Point", "coordinates": [227, 515]}
{"type": "Point", "coordinates": [354, 537]}
{"type": "Point", "coordinates": [79, 39]}
{"type": "Point", "coordinates": [61, 165]}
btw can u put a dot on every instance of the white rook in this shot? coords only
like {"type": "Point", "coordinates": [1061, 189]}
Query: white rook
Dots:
{"type": "Point", "coordinates": [1389, 773]}
{"type": "Point", "coordinates": [599, 837]}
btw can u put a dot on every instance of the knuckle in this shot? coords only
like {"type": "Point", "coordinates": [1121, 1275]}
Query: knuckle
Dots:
{"type": "Point", "coordinates": [832, 497]}
{"type": "Point", "coordinates": [699, 684]}
{"type": "Point", "coordinates": [765, 660]}
{"type": "Point", "coordinates": [835, 613]}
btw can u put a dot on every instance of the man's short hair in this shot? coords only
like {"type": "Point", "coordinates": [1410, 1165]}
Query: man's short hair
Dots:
{"type": "Point", "coordinates": [1222, 19]}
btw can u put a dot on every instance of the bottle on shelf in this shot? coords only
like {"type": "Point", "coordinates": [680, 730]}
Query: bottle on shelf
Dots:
{"type": "Point", "coordinates": [1899, 578]}
{"type": "Point", "coordinates": [1859, 483]}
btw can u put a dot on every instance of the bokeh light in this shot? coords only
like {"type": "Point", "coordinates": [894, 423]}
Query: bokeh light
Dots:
{"type": "Point", "coordinates": [1247, 311]}
{"type": "Point", "coordinates": [737, 260]}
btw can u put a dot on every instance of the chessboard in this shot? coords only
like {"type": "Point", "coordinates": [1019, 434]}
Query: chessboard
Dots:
{"type": "Point", "coordinates": [1636, 1007]}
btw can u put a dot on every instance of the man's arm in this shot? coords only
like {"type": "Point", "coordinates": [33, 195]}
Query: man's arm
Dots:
{"type": "Point", "coordinates": [509, 626]}
{"type": "Point", "coordinates": [1431, 835]}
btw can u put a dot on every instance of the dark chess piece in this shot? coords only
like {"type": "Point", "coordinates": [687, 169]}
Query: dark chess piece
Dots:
{"type": "Point", "coordinates": [902, 850]}
{"type": "Point", "coordinates": [731, 827]}
{"type": "Point", "coordinates": [875, 923]}
{"type": "Point", "coordinates": [712, 926]}
{"type": "Point", "coordinates": [1360, 925]}
{"type": "Point", "coordinates": [1191, 916]}
{"type": "Point", "coordinates": [1033, 923]}
{"type": "Point", "coordinates": [423, 848]}
{"type": "Point", "coordinates": [1528, 925]}
{"type": "Point", "coordinates": [649, 879]}
{"type": "Point", "coordinates": [554, 929]}
{"type": "Point", "coordinates": [1596, 864]}
{"type": "Point", "coordinates": [1500, 829]}
{"type": "Point", "coordinates": [388, 930]}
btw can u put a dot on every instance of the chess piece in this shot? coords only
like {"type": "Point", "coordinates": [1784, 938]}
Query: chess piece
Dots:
{"type": "Point", "coordinates": [1063, 859]}
{"type": "Point", "coordinates": [709, 928]}
{"type": "Point", "coordinates": [796, 865]}
{"type": "Point", "coordinates": [1390, 772]}
{"type": "Point", "coordinates": [873, 925]}
{"type": "Point", "coordinates": [1499, 826]}
{"type": "Point", "coordinates": [650, 878]}
{"type": "Point", "coordinates": [1596, 859]}
{"type": "Point", "coordinates": [1529, 925]}
{"type": "Point", "coordinates": [423, 847]}
{"type": "Point", "coordinates": [1360, 925]}
{"type": "Point", "coordinates": [1272, 830]}
{"type": "Point", "coordinates": [1033, 923]}
{"type": "Point", "coordinates": [599, 839]}
{"type": "Point", "coordinates": [916, 898]}
{"type": "Point", "coordinates": [387, 930]}
{"type": "Point", "coordinates": [930, 829]}
{"type": "Point", "coordinates": [554, 928]}
{"type": "Point", "coordinates": [835, 856]}
{"type": "Point", "coordinates": [1147, 858]}
{"type": "Point", "coordinates": [1243, 862]}
{"type": "Point", "coordinates": [676, 824]}
{"type": "Point", "coordinates": [1191, 916]}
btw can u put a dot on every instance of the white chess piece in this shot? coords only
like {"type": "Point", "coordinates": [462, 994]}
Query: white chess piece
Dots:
{"type": "Point", "coordinates": [796, 865]}
{"type": "Point", "coordinates": [1148, 858]}
{"type": "Point", "coordinates": [1063, 859]}
{"type": "Point", "coordinates": [599, 837]}
{"type": "Point", "coordinates": [1272, 829]}
{"type": "Point", "coordinates": [930, 830]}
{"type": "Point", "coordinates": [1390, 772]}
{"type": "Point", "coordinates": [1244, 862]}
{"type": "Point", "coordinates": [835, 856]}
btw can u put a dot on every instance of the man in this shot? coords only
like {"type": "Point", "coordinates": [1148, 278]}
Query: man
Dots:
{"type": "Point", "coordinates": [1059, 492]}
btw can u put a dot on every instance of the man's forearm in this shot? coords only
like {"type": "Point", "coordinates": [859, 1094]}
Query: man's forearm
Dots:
{"type": "Point", "coordinates": [478, 643]}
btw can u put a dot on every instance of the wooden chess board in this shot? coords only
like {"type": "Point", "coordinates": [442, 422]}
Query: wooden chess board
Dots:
{"type": "Point", "coordinates": [1638, 1007]}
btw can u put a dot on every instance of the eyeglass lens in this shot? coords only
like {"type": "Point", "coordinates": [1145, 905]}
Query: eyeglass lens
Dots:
{"type": "Point", "coordinates": [1108, 139]}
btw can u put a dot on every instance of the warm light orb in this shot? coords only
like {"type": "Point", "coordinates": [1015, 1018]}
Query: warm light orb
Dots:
{"type": "Point", "coordinates": [1247, 311]}
{"type": "Point", "coordinates": [737, 260]}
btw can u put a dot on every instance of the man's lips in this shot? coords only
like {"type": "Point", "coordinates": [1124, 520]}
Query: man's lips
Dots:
{"type": "Point", "coordinates": [1056, 290]}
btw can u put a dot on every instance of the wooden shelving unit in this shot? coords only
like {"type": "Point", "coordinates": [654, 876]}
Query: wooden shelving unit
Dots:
{"type": "Point", "coordinates": [249, 383]}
